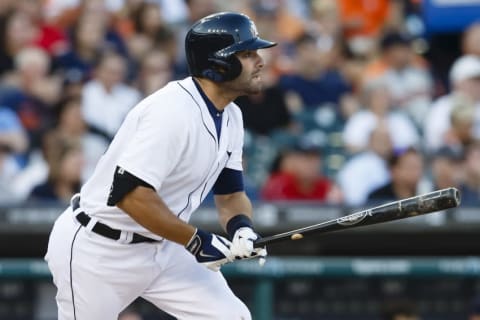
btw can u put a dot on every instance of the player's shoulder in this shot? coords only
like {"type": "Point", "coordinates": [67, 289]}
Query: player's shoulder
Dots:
{"type": "Point", "coordinates": [172, 92]}
{"type": "Point", "coordinates": [171, 100]}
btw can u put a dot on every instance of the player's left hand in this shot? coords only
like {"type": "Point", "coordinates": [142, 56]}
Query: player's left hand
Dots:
{"type": "Point", "coordinates": [242, 246]}
{"type": "Point", "coordinates": [211, 250]}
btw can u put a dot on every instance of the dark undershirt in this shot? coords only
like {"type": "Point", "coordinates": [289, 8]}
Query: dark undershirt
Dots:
{"type": "Point", "coordinates": [230, 180]}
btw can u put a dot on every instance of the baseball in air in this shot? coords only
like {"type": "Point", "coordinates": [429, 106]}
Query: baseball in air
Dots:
{"type": "Point", "coordinates": [296, 236]}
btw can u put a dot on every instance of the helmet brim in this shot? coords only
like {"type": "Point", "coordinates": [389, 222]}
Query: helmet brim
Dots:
{"type": "Point", "coordinates": [252, 44]}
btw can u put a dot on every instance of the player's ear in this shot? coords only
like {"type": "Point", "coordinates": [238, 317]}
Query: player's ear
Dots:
{"type": "Point", "coordinates": [223, 69]}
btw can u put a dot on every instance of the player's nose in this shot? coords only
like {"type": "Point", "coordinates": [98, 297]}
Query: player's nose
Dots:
{"type": "Point", "coordinates": [260, 63]}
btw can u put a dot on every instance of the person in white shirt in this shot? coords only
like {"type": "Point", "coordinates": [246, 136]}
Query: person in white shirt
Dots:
{"type": "Point", "coordinates": [126, 235]}
{"type": "Point", "coordinates": [465, 79]}
{"type": "Point", "coordinates": [366, 170]}
{"type": "Point", "coordinates": [106, 99]}
{"type": "Point", "coordinates": [378, 110]}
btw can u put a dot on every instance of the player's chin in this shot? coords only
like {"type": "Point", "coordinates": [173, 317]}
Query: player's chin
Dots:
{"type": "Point", "coordinates": [255, 87]}
{"type": "Point", "coordinates": [253, 90]}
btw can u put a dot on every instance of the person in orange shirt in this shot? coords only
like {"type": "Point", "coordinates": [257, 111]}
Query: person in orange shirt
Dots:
{"type": "Point", "coordinates": [363, 17]}
{"type": "Point", "coordinates": [363, 20]}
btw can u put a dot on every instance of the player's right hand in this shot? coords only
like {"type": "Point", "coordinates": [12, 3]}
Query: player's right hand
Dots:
{"type": "Point", "coordinates": [243, 245]}
{"type": "Point", "coordinates": [210, 249]}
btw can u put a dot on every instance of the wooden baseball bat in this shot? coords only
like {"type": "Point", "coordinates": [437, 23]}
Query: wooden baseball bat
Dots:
{"type": "Point", "coordinates": [410, 207]}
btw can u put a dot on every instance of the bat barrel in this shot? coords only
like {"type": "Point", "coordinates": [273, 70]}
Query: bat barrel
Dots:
{"type": "Point", "coordinates": [410, 207]}
{"type": "Point", "coordinates": [431, 202]}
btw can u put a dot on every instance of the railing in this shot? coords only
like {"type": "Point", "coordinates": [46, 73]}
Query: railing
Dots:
{"type": "Point", "coordinates": [268, 217]}
{"type": "Point", "coordinates": [296, 267]}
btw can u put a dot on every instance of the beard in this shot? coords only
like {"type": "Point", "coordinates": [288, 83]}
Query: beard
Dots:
{"type": "Point", "coordinates": [245, 85]}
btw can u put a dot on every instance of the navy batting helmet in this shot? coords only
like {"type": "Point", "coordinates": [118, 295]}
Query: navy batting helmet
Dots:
{"type": "Point", "coordinates": [211, 44]}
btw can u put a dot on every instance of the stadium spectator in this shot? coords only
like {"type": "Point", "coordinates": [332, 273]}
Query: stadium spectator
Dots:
{"type": "Point", "coordinates": [17, 31]}
{"type": "Point", "coordinates": [325, 22]}
{"type": "Point", "coordinates": [123, 18]}
{"type": "Point", "coordinates": [296, 175]}
{"type": "Point", "coordinates": [71, 126]}
{"type": "Point", "coordinates": [363, 21]}
{"type": "Point", "coordinates": [91, 34]}
{"type": "Point", "coordinates": [30, 91]}
{"type": "Point", "coordinates": [150, 32]}
{"type": "Point", "coordinates": [6, 5]}
{"type": "Point", "coordinates": [67, 14]}
{"type": "Point", "coordinates": [49, 37]}
{"type": "Point", "coordinates": [200, 8]}
{"type": "Point", "coordinates": [406, 169]}
{"type": "Point", "coordinates": [314, 80]}
{"type": "Point", "coordinates": [65, 164]}
{"type": "Point", "coordinates": [63, 12]}
{"type": "Point", "coordinates": [367, 170]}
{"type": "Point", "coordinates": [471, 40]}
{"type": "Point", "coordinates": [279, 15]}
{"type": "Point", "coordinates": [148, 20]}
{"type": "Point", "coordinates": [325, 25]}
{"type": "Point", "coordinates": [13, 141]}
{"type": "Point", "coordinates": [462, 121]}
{"type": "Point", "coordinates": [196, 10]}
{"type": "Point", "coordinates": [470, 187]}
{"type": "Point", "coordinates": [465, 78]}
{"type": "Point", "coordinates": [446, 167]}
{"type": "Point", "coordinates": [155, 71]}
{"type": "Point", "coordinates": [12, 135]}
{"type": "Point", "coordinates": [267, 111]}
{"type": "Point", "coordinates": [378, 108]}
{"type": "Point", "coordinates": [106, 99]}
{"type": "Point", "coordinates": [404, 73]}
{"type": "Point", "coordinates": [87, 41]}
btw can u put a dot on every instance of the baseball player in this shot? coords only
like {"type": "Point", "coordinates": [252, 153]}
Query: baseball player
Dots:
{"type": "Point", "coordinates": [126, 235]}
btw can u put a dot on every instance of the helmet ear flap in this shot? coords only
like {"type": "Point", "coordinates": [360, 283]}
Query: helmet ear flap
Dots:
{"type": "Point", "coordinates": [223, 69]}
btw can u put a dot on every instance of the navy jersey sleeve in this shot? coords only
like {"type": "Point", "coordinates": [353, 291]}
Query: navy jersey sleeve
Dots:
{"type": "Point", "coordinates": [229, 181]}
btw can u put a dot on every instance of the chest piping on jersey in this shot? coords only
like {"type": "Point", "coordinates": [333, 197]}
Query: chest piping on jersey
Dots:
{"type": "Point", "coordinates": [209, 174]}
{"type": "Point", "coordinates": [204, 184]}
{"type": "Point", "coordinates": [201, 115]}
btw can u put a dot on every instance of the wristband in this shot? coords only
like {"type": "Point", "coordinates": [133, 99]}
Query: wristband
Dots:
{"type": "Point", "coordinates": [237, 222]}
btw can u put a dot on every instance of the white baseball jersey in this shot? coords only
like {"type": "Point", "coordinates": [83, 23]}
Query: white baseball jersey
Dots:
{"type": "Point", "coordinates": [168, 140]}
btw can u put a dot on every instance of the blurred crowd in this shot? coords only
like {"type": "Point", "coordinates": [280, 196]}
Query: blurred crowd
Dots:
{"type": "Point", "coordinates": [356, 108]}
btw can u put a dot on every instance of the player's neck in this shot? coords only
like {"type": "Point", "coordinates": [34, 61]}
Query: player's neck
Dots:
{"type": "Point", "coordinates": [217, 95]}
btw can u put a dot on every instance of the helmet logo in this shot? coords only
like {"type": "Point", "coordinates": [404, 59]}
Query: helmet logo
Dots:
{"type": "Point", "coordinates": [253, 29]}
{"type": "Point", "coordinates": [210, 30]}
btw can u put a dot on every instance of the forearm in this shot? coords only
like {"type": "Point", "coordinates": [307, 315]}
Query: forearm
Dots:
{"type": "Point", "coordinates": [147, 209]}
{"type": "Point", "coordinates": [231, 205]}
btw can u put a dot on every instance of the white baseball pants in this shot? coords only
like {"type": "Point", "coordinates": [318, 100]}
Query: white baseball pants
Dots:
{"type": "Point", "coordinates": [97, 277]}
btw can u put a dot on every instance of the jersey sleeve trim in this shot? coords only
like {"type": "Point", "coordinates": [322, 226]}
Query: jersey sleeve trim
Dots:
{"type": "Point", "coordinates": [229, 181]}
{"type": "Point", "coordinates": [123, 183]}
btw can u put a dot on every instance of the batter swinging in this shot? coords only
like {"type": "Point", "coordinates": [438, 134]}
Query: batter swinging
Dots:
{"type": "Point", "coordinates": [126, 235]}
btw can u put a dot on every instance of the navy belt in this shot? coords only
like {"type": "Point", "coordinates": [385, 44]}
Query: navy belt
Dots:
{"type": "Point", "coordinates": [102, 229]}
